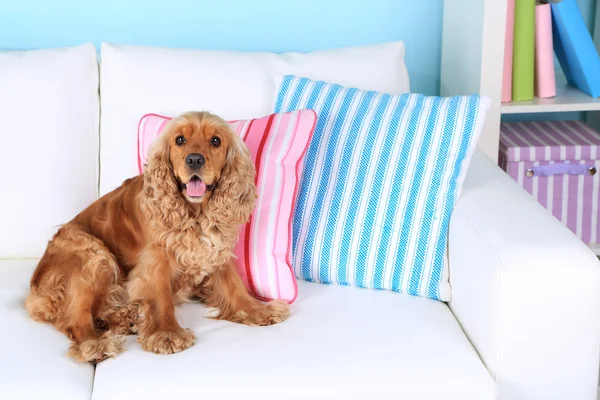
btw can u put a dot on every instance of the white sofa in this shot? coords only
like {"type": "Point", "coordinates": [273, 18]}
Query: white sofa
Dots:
{"type": "Point", "coordinates": [523, 323]}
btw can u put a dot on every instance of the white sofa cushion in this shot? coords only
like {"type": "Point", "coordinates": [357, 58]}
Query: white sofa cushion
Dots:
{"type": "Point", "coordinates": [34, 360]}
{"type": "Point", "coordinates": [339, 343]}
{"type": "Point", "coordinates": [235, 85]}
{"type": "Point", "coordinates": [49, 113]}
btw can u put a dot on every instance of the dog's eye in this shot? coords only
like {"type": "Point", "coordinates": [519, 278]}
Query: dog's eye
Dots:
{"type": "Point", "coordinates": [215, 141]}
{"type": "Point", "coordinates": [180, 140]}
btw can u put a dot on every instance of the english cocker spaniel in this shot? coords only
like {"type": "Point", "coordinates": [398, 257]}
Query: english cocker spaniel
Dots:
{"type": "Point", "coordinates": [161, 238]}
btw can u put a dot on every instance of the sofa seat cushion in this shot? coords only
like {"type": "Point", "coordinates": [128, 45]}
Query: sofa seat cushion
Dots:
{"type": "Point", "coordinates": [340, 342]}
{"type": "Point", "coordinates": [33, 357]}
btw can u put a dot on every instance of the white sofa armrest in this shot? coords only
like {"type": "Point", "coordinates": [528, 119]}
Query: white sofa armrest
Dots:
{"type": "Point", "coordinates": [525, 290]}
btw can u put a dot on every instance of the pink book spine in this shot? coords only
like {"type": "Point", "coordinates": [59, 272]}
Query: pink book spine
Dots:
{"type": "Point", "coordinates": [508, 52]}
{"type": "Point", "coordinates": [545, 77]}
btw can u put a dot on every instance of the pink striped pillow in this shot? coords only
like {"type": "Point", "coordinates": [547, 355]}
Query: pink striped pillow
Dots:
{"type": "Point", "coordinates": [277, 143]}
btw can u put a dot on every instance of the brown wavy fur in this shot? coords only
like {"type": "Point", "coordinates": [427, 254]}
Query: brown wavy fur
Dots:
{"type": "Point", "coordinates": [121, 265]}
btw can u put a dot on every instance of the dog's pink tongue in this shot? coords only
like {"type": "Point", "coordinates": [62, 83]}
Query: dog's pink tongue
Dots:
{"type": "Point", "coordinates": [196, 188]}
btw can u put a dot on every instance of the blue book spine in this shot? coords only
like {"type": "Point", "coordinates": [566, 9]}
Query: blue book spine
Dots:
{"type": "Point", "coordinates": [574, 47]}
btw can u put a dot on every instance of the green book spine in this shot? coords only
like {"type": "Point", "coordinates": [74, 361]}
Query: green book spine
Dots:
{"type": "Point", "coordinates": [523, 50]}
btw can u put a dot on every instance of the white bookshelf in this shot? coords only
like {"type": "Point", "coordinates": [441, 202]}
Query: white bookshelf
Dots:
{"type": "Point", "coordinates": [473, 62]}
{"type": "Point", "coordinates": [568, 99]}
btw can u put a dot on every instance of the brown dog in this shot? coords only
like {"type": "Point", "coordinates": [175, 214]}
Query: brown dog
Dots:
{"type": "Point", "coordinates": [160, 239]}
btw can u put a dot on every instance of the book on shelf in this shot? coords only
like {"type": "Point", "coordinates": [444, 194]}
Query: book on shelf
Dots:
{"type": "Point", "coordinates": [574, 48]}
{"type": "Point", "coordinates": [523, 50]}
{"type": "Point", "coordinates": [545, 76]}
{"type": "Point", "coordinates": [508, 52]}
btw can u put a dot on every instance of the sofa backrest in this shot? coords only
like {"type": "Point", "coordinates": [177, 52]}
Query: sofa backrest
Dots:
{"type": "Point", "coordinates": [234, 85]}
{"type": "Point", "coordinates": [49, 109]}
{"type": "Point", "coordinates": [56, 160]}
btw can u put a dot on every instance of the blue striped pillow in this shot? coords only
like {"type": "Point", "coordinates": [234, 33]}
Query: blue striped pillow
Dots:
{"type": "Point", "coordinates": [380, 180]}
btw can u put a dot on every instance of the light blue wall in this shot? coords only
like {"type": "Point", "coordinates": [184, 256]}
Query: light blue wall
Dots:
{"type": "Point", "coordinates": [270, 25]}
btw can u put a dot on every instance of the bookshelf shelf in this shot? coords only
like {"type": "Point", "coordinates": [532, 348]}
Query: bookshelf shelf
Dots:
{"type": "Point", "coordinates": [568, 99]}
{"type": "Point", "coordinates": [473, 36]}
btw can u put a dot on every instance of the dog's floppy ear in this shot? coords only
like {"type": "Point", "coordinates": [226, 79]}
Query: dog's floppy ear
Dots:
{"type": "Point", "coordinates": [234, 198]}
{"type": "Point", "coordinates": [161, 200]}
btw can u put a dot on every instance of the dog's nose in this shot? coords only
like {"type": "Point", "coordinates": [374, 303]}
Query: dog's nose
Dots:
{"type": "Point", "coordinates": [195, 160]}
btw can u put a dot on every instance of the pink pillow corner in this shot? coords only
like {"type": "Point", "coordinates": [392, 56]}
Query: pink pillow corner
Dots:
{"type": "Point", "coordinates": [265, 244]}
{"type": "Point", "coordinates": [149, 127]}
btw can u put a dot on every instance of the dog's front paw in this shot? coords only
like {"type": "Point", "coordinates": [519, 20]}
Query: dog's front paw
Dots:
{"type": "Point", "coordinates": [274, 312]}
{"type": "Point", "coordinates": [167, 342]}
{"type": "Point", "coordinates": [266, 314]}
{"type": "Point", "coordinates": [94, 350]}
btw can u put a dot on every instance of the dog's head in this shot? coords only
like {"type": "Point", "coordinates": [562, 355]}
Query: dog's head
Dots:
{"type": "Point", "coordinates": [198, 146]}
{"type": "Point", "coordinates": [199, 160]}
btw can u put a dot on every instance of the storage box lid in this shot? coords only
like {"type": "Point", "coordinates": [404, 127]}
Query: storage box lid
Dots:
{"type": "Point", "coordinates": [549, 141]}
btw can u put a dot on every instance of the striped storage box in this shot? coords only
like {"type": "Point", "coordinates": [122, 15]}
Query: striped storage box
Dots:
{"type": "Point", "coordinates": [557, 161]}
